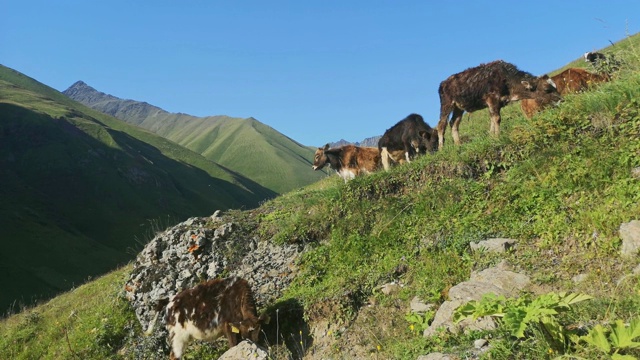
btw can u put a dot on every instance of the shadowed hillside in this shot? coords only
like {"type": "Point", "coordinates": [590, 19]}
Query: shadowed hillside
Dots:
{"type": "Point", "coordinates": [81, 190]}
{"type": "Point", "coordinates": [246, 146]}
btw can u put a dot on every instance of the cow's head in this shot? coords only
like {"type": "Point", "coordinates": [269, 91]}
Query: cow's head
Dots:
{"type": "Point", "coordinates": [320, 158]}
{"type": "Point", "coordinates": [250, 328]}
{"type": "Point", "coordinates": [426, 142]}
{"type": "Point", "coordinates": [541, 88]}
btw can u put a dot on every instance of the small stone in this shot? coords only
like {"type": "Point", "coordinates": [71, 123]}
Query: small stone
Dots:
{"type": "Point", "coordinates": [418, 306]}
{"type": "Point", "coordinates": [389, 288]}
{"type": "Point", "coordinates": [579, 278]}
{"type": "Point", "coordinates": [480, 343]}
{"type": "Point", "coordinates": [630, 235]}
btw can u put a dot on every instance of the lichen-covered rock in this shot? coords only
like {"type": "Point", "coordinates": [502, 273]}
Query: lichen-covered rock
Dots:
{"type": "Point", "coordinates": [245, 350]}
{"type": "Point", "coordinates": [199, 249]}
{"type": "Point", "coordinates": [630, 235]}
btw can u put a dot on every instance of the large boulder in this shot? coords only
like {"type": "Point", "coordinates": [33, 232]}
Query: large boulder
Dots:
{"type": "Point", "coordinates": [497, 280]}
{"type": "Point", "coordinates": [199, 249]}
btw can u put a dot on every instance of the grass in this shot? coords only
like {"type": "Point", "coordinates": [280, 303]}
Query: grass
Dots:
{"type": "Point", "coordinates": [560, 184]}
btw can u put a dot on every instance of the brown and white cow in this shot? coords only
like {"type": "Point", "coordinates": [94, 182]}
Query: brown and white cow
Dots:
{"type": "Point", "coordinates": [406, 139]}
{"type": "Point", "coordinates": [492, 86]}
{"type": "Point", "coordinates": [348, 161]}
{"type": "Point", "coordinates": [569, 81]}
{"type": "Point", "coordinates": [209, 310]}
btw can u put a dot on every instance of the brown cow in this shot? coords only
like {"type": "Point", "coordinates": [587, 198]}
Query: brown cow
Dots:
{"type": "Point", "coordinates": [348, 161]}
{"type": "Point", "coordinates": [569, 81]}
{"type": "Point", "coordinates": [207, 311]}
{"type": "Point", "coordinates": [491, 85]}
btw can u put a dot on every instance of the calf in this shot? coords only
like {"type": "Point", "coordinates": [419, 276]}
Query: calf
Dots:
{"type": "Point", "coordinates": [409, 137]}
{"type": "Point", "coordinates": [492, 86]}
{"type": "Point", "coordinates": [569, 81]}
{"type": "Point", "coordinates": [602, 63]}
{"type": "Point", "coordinates": [207, 311]}
{"type": "Point", "coordinates": [348, 161]}
{"type": "Point", "coordinates": [594, 57]}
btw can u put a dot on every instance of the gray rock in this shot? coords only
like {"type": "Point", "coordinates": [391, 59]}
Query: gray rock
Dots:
{"type": "Point", "coordinates": [494, 280]}
{"type": "Point", "coordinates": [508, 281]}
{"type": "Point", "coordinates": [435, 356]}
{"type": "Point", "coordinates": [245, 350]}
{"type": "Point", "coordinates": [389, 288]}
{"type": "Point", "coordinates": [635, 172]}
{"type": "Point", "coordinates": [189, 253]}
{"type": "Point", "coordinates": [579, 278]}
{"type": "Point", "coordinates": [418, 306]}
{"type": "Point", "coordinates": [630, 235]}
{"type": "Point", "coordinates": [480, 343]}
{"type": "Point", "coordinates": [498, 245]}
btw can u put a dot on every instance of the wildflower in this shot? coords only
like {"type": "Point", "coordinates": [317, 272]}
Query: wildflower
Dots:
{"type": "Point", "coordinates": [550, 351]}
{"type": "Point", "coordinates": [411, 327]}
{"type": "Point", "coordinates": [379, 347]}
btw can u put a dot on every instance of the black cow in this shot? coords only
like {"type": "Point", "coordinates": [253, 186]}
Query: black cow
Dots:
{"type": "Point", "coordinates": [406, 139]}
{"type": "Point", "coordinates": [491, 85]}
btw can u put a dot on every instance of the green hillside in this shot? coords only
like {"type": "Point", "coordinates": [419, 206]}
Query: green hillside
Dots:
{"type": "Point", "coordinates": [81, 190]}
{"type": "Point", "coordinates": [246, 146]}
{"type": "Point", "coordinates": [561, 184]}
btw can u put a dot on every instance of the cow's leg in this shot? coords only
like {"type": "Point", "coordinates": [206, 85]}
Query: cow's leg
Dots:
{"type": "Point", "coordinates": [408, 151]}
{"type": "Point", "coordinates": [442, 124]}
{"type": "Point", "coordinates": [384, 155]}
{"type": "Point", "coordinates": [455, 124]}
{"type": "Point", "coordinates": [179, 341]}
{"type": "Point", "coordinates": [494, 112]}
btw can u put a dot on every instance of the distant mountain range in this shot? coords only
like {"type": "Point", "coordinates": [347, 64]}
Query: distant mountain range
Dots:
{"type": "Point", "coordinates": [246, 146]}
{"type": "Point", "coordinates": [370, 142]}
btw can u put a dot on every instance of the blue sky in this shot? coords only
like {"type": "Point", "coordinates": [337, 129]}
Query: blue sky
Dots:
{"type": "Point", "coordinates": [317, 71]}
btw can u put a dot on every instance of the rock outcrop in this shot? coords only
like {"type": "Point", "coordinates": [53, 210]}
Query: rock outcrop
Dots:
{"type": "Point", "coordinates": [203, 248]}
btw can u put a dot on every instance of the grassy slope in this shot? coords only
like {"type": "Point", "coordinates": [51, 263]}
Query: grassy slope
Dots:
{"type": "Point", "coordinates": [79, 187]}
{"type": "Point", "coordinates": [561, 184]}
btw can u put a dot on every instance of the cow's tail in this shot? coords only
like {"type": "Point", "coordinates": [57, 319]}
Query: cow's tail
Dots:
{"type": "Point", "coordinates": [160, 306]}
{"type": "Point", "coordinates": [384, 155]}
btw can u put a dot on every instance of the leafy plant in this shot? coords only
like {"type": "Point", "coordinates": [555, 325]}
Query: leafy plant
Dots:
{"type": "Point", "coordinates": [517, 314]}
{"type": "Point", "coordinates": [418, 323]}
{"type": "Point", "coordinates": [620, 338]}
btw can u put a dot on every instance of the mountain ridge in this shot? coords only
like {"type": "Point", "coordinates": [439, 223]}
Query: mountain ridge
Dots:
{"type": "Point", "coordinates": [245, 145]}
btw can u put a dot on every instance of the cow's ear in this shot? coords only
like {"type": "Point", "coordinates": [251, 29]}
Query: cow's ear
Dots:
{"type": "Point", "coordinates": [527, 85]}
{"type": "Point", "coordinates": [334, 151]}
{"type": "Point", "coordinates": [326, 147]}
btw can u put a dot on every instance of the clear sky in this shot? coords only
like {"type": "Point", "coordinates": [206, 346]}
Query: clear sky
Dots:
{"type": "Point", "coordinates": [317, 71]}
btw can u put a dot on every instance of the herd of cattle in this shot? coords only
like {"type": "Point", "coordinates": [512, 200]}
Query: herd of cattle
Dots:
{"type": "Point", "coordinates": [492, 85]}
{"type": "Point", "coordinates": [227, 307]}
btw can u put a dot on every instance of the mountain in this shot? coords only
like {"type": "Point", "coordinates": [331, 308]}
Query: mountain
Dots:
{"type": "Point", "coordinates": [81, 191]}
{"type": "Point", "coordinates": [246, 146]}
{"type": "Point", "coordinates": [368, 142]}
